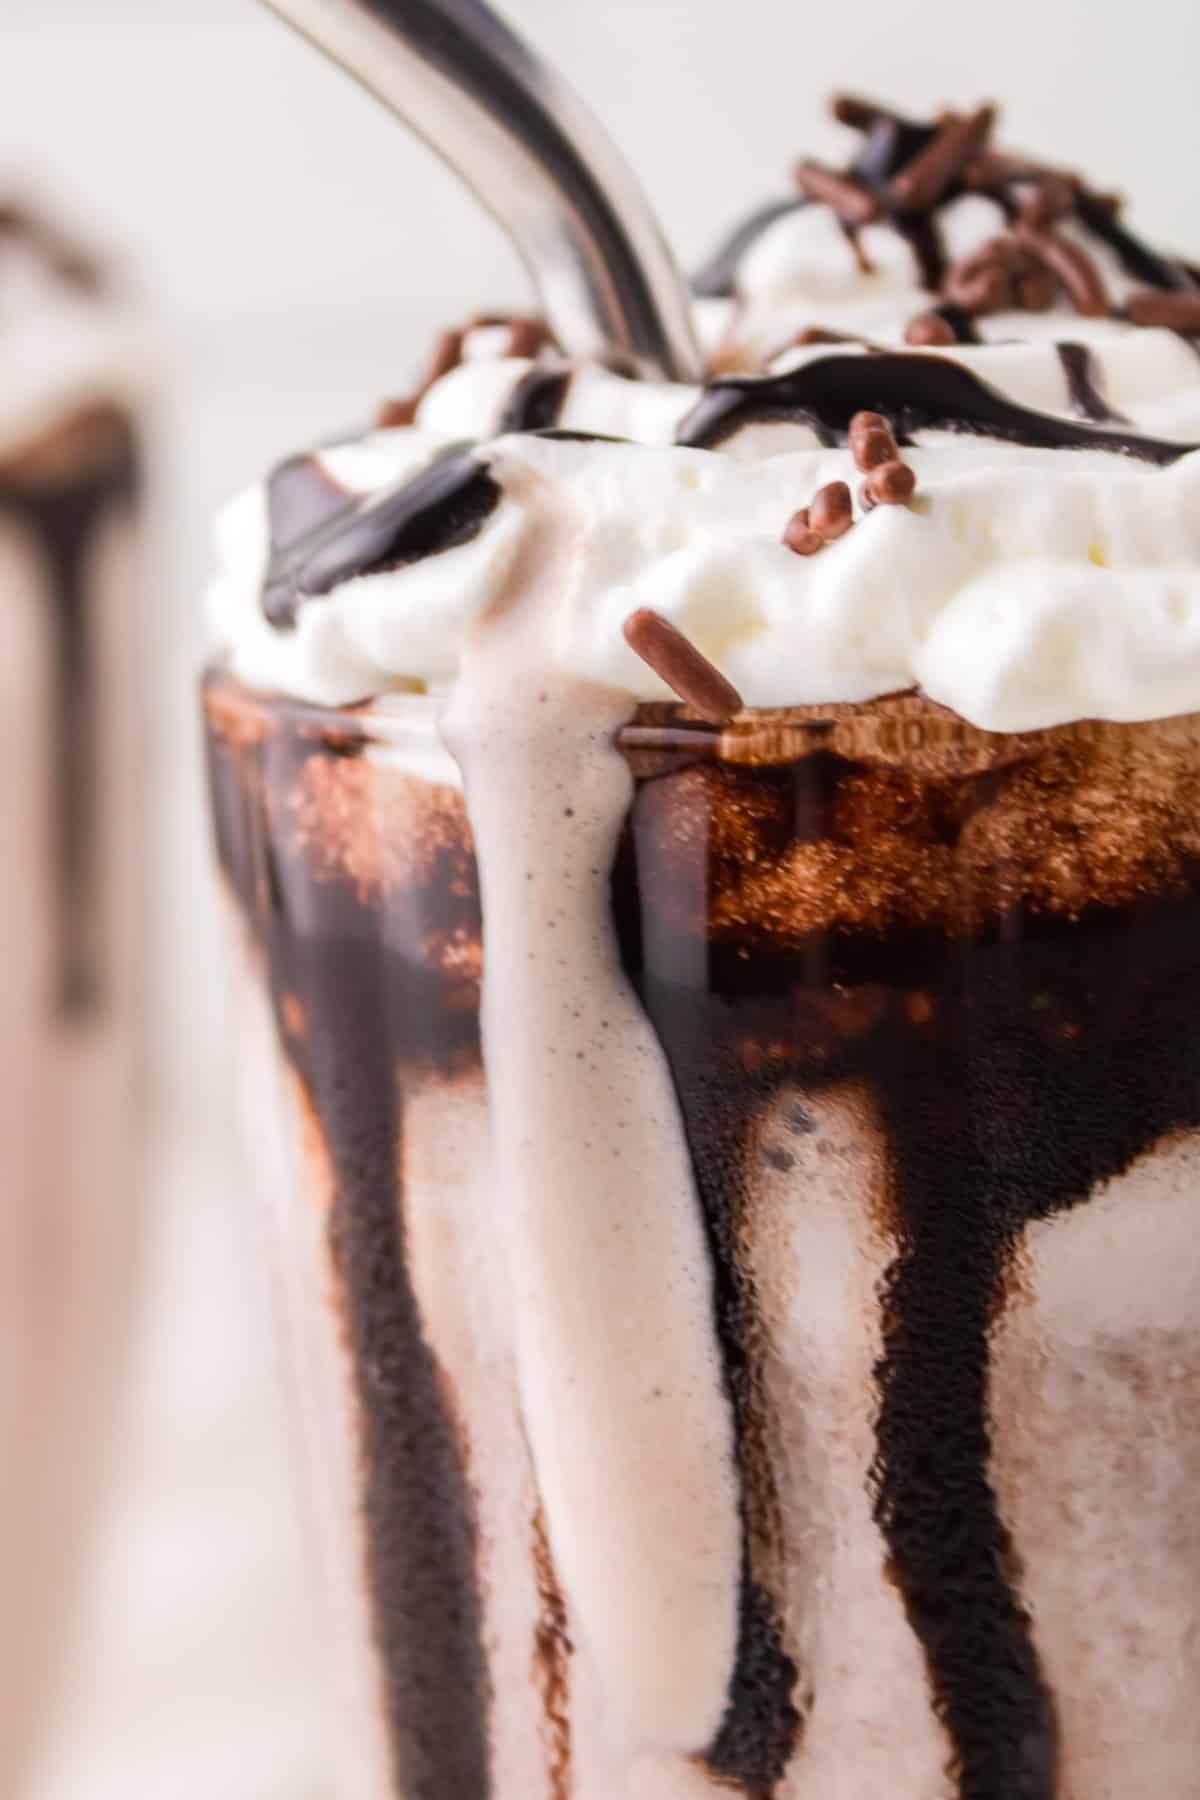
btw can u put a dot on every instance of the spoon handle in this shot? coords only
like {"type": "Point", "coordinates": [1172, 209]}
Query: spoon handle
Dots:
{"type": "Point", "coordinates": [535, 157]}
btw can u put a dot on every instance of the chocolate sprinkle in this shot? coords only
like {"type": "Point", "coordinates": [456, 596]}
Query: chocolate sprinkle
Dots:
{"type": "Point", "coordinates": [686, 672]}
{"type": "Point", "coordinates": [800, 536]}
{"type": "Point", "coordinates": [1172, 312]}
{"type": "Point", "coordinates": [908, 172]}
{"type": "Point", "coordinates": [850, 200]}
{"type": "Point", "coordinates": [891, 484]}
{"type": "Point", "coordinates": [832, 510]}
{"type": "Point", "coordinates": [923, 182]}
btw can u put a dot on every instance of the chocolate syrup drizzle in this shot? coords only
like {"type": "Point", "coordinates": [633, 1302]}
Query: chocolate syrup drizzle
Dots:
{"type": "Point", "coordinates": [716, 280]}
{"type": "Point", "coordinates": [960, 321]}
{"type": "Point", "coordinates": [378, 1012]}
{"type": "Point", "coordinates": [916, 392]}
{"type": "Point", "coordinates": [320, 536]}
{"type": "Point", "coordinates": [1054, 1055]}
{"type": "Point", "coordinates": [1048, 1054]}
{"type": "Point", "coordinates": [65, 518]}
{"type": "Point", "coordinates": [537, 401]}
{"type": "Point", "coordinates": [1083, 387]}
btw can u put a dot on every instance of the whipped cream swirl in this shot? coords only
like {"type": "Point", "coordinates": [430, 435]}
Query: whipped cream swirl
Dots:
{"type": "Point", "coordinates": [1047, 569]}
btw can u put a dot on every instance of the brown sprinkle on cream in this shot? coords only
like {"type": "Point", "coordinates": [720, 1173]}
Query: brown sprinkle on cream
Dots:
{"type": "Point", "coordinates": [860, 114]}
{"type": "Point", "coordinates": [390, 414]}
{"type": "Point", "coordinates": [1177, 311]}
{"type": "Point", "coordinates": [799, 534]}
{"type": "Point", "coordinates": [686, 672]}
{"type": "Point", "coordinates": [891, 484]}
{"type": "Point", "coordinates": [829, 516]}
{"type": "Point", "coordinates": [1050, 198]}
{"type": "Point", "coordinates": [1035, 289]}
{"type": "Point", "coordinates": [526, 336]}
{"type": "Point", "coordinates": [831, 513]}
{"type": "Point", "coordinates": [960, 138]}
{"type": "Point", "coordinates": [850, 200]}
{"type": "Point", "coordinates": [929, 328]}
{"type": "Point", "coordinates": [872, 441]}
{"type": "Point", "coordinates": [446, 354]}
{"type": "Point", "coordinates": [821, 334]}
{"type": "Point", "coordinates": [1072, 265]}
{"type": "Point", "coordinates": [980, 282]}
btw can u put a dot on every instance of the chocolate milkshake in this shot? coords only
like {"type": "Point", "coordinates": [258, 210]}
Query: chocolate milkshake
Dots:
{"type": "Point", "coordinates": [68, 615]}
{"type": "Point", "coordinates": [719, 875]}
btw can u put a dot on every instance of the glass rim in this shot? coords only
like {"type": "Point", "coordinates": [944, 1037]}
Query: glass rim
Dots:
{"type": "Point", "coordinates": [894, 726]}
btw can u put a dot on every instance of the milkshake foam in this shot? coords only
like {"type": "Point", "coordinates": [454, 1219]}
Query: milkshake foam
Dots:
{"type": "Point", "coordinates": [728, 1124]}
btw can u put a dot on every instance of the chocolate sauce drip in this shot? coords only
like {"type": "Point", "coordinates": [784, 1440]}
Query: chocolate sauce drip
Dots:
{"type": "Point", "coordinates": [960, 321]}
{"type": "Point", "coordinates": [356, 1005]}
{"type": "Point", "coordinates": [1040, 1064]}
{"type": "Point", "coordinates": [916, 392]}
{"type": "Point", "coordinates": [560, 436]}
{"type": "Point", "coordinates": [762, 1722]}
{"type": "Point", "coordinates": [444, 506]}
{"type": "Point", "coordinates": [716, 280]}
{"type": "Point", "coordinates": [1014, 1069]}
{"type": "Point", "coordinates": [537, 401]}
{"type": "Point", "coordinates": [302, 496]}
{"type": "Point", "coordinates": [1083, 388]}
{"type": "Point", "coordinates": [65, 518]}
{"type": "Point", "coordinates": [1023, 1126]}
{"type": "Point", "coordinates": [1136, 257]}
{"type": "Point", "coordinates": [923, 236]}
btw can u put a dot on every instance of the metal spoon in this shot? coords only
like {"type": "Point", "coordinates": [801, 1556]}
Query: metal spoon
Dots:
{"type": "Point", "coordinates": [537, 159]}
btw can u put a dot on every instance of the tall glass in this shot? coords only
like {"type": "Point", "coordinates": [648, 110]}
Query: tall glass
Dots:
{"type": "Point", "coordinates": [930, 1002]}
{"type": "Point", "coordinates": [70, 806]}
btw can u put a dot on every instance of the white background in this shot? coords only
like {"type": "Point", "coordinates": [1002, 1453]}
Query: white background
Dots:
{"type": "Point", "coordinates": [297, 249]}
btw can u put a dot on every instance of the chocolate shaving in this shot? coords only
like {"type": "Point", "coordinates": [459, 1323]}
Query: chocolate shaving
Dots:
{"type": "Point", "coordinates": [854, 203]}
{"type": "Point", "coordinates": [925, 180]}
{"type": "Point", "coordinates": [686, 672]}
{"type": "Point", "coordinates": [1170, 311]}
